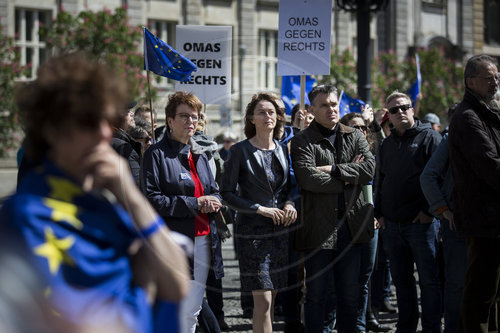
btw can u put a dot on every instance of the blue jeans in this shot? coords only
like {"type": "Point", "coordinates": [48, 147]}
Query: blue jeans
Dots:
{"type": "Point", "coordinates": [367, 253]}
{"type": "Point", "coordinates": [343, 264]}
{"type": "Point", "coordinates": [455, 265]}
{"type": "Point", "coordinates": [381, 277]}
{"type": "Point", "coordinates": [406, 244]}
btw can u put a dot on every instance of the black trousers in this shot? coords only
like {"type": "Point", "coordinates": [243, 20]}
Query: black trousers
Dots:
{"type": "Point", "coordinates": [481, 284]}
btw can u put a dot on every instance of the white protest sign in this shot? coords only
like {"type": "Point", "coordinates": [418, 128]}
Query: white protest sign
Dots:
{"type": "Point", "coordinates": [210, 49]}
{"type": "Point", "coordinates": [304, 37]}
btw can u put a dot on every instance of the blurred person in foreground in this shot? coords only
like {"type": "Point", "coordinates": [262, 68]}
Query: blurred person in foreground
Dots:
{"type": "Point", "coordinates": [179, 184]}
{"type": "Point", "coordinates": [259, 165]}
{"type": "Point", "coordinates": [474, 143]}
{"type": "Point", "coordinates": [78, 215]}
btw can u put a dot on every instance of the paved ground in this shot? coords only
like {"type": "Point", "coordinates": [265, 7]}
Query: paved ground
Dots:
{"type": "Point", "coordinates": [232, 309]}
{"type": "Point", "coordinates": [8, 177]}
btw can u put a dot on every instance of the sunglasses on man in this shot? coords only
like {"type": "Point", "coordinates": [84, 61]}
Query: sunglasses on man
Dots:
{"type": "Point", "coordinates": [396, 109]}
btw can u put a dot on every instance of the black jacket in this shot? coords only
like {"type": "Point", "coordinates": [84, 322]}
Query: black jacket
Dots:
{"type": "Point", "coordinates": [320, 191]}
{"type": "Point", "coordinates": [166, 182]}
{"type": "Point", "coordinates": [400, 161]}
{"type": "Point", "coordinates": [130, 149]}
{"type": "Point", "coordinates": [246, 169]}
{"type": "Point", "coordinates": [474, 143]}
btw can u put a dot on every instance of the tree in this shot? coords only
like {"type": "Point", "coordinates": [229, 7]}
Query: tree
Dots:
{"type": "Point", "coordinates": [104, 35]}
{"type": "Point", "coordinates": [442, 78]}
{"type": "Point", "coordinates": [10, 71]}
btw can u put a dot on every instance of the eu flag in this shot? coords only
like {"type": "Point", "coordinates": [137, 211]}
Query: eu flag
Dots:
{"type": "Point", "coordinates": [78, 243]}
{"type": "Point", "coordinates": [163, 60]}
{"type": "Point", "coordinates": [290, 90]}
{"type": "Point", "coordinates": [415, 87]}
{"type": "Point", "coordinates": [347, 104]}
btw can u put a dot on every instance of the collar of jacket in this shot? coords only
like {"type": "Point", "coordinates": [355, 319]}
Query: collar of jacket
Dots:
{"type": "Point", "coordinates": [417, 128]}
{"type": "Point", "coordinates": [176, 146]}
{"type": "Point", "coordinates": [317, 136]}
{"type": "Point", "coordinates": [490, 112]}
{"type": "Point", "coordinates": [277, 152]}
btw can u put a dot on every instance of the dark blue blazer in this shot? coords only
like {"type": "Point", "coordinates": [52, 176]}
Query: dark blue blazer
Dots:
{"type": "Point", "coordinates": [166, 182]}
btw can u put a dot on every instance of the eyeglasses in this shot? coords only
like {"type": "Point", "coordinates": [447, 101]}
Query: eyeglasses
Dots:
{"type": "Point", "coordinates": [395, 109]}
{"type": "Point", "coordinates": [185, 117]}
{"type": "Point", "coordinates": [361, 128]}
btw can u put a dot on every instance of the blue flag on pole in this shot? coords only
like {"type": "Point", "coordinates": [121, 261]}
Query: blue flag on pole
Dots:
{"type": "Point", "coordinates": [415, 87]}
{"type": "Point", "coordinates": [347, 104]}
{"type": "Point", "coordinates": [163, 60]}
{"type": "Point", "coordinates": [290, 90]}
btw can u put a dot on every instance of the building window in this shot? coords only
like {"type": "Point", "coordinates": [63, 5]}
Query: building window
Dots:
{"type": "Point", "coordinates": [33, 48]}
{"type": "Point", "coordinates": [491, 26]}
{"type": "Point", "coordinates": [268, 60]}
{"type": "Point", "coordinates": [435, 3]}
{"type": "Point", "coordinates": [164, 30]}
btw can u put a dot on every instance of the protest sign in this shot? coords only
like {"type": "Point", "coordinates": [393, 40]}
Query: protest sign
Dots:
{"type": "Point", "coordinates": [304, 37]}
{"type": "Point", "coordinates": [209, 48]}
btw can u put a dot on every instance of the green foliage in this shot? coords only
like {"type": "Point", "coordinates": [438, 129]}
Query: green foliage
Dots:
{"type": "Point", "coordinates": [442, 78]}
{"type": "Point", "coordinates": [10, 71]}
{"type": "Point", "coordinates": [104, 35]}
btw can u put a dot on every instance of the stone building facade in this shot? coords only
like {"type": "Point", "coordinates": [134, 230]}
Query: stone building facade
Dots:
{"type": "Point", "coordinates": [462, 27]}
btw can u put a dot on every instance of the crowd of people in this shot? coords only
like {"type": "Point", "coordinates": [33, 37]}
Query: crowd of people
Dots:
{"type": "Point", "coordinates": [122, 220]}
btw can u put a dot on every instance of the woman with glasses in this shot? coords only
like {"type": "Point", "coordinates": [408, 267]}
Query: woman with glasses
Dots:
{"type": "Point", "coordinates": [180, 186]}
{"type": "Point", "coordinates": [259, 165]}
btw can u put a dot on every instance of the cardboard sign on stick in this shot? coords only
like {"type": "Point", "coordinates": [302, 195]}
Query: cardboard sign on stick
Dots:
{"type": "Point", "coordinates": [210, 49]}
{"type": "Point", "coordinates": [304, 37]}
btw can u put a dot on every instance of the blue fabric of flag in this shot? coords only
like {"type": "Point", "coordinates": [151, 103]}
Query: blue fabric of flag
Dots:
{"type": "Point", "coordinates": [290, 91]}
{"type": "Point", "coordinates": [417, 85]}
{"type": "Point", "coordinates": [166, 314]}
{"type": "Point", "coordinates": [78, 242]}
{"type": "Point", "coordinates": [347, 104]}
{"type": "Point", "coordinates": [162, 59]}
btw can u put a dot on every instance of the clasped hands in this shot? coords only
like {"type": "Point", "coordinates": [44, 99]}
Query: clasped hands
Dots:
{"type": "Point", "coordinates": [285, 216]}
{"type": "Point", "coordinates": [208, 204]}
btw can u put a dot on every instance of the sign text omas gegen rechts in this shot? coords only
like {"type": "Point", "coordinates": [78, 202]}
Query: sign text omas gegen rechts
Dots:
{"type": "Point", "coordinates": [205, 63]}
{"type": "Point", "coordinates": [308, 34]}
{"type": "Point", "coordinates": [209, 47]}
{"type": "Point", "coordinates": [304, 37]}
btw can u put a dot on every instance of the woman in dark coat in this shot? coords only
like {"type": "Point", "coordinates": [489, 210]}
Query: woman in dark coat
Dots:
{"type": "Point", "coordinates": [259, 165]}
{"type": "Point", "coordinates": [181, 187]}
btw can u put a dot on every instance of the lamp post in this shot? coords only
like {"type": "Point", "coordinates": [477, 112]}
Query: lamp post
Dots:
{"type": "Point", "coordinates": [363, 9]}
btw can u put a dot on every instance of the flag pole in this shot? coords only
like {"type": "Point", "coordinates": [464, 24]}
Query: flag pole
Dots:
{"type": "Point", "coordinates": [151, 110]}
{"type": "Point", "coordinates": [149, 86]}
{"type": "Point", "coordinates": [302, 99]}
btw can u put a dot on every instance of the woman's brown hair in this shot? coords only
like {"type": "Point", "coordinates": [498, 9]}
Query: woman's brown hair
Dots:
{"type": "Point", "coordinates": [249, 129]}
{"type": "Point", "coordinates": [70, 90]}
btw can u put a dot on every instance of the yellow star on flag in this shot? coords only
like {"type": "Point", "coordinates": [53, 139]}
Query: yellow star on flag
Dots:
{"type": "Point", "coordinates": [64, 212]}
{"type": "Point", "coordinates": [63, 189]}
{"type": "Point", "coordinates": [55, 250]}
